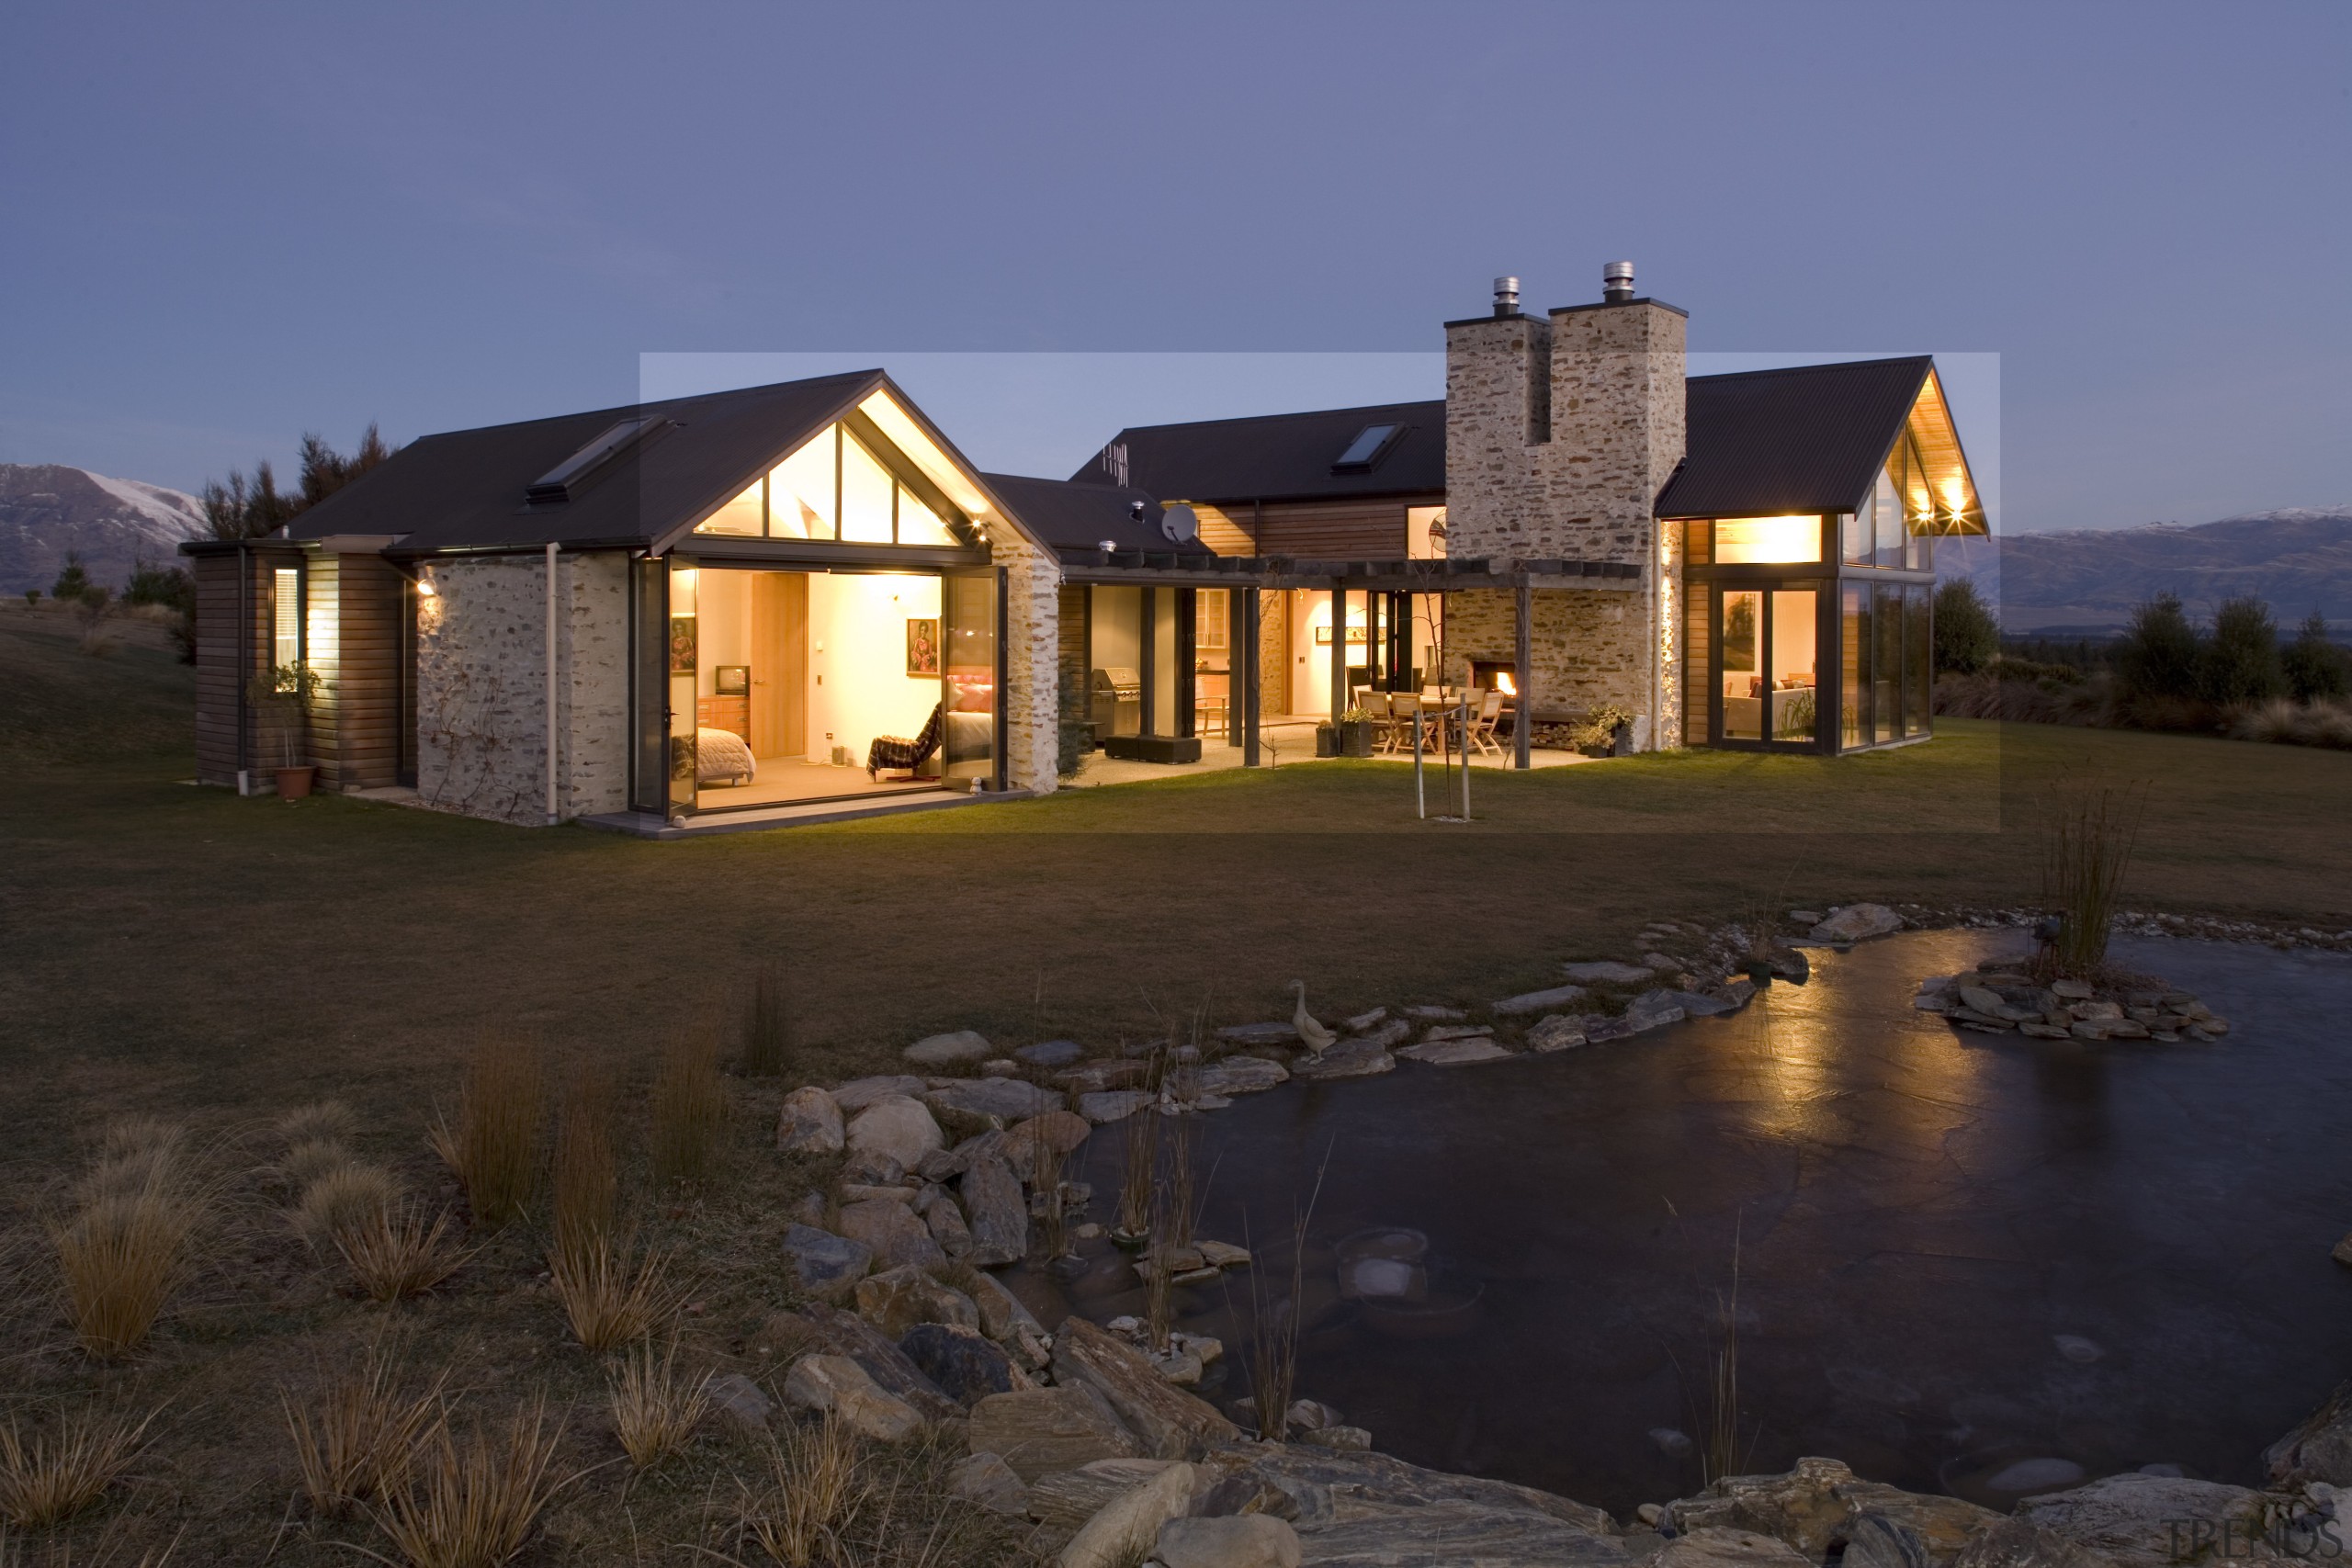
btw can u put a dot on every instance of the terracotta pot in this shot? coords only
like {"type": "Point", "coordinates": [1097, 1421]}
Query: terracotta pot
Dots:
{"type": "Point", "coordinates": [293, 784]}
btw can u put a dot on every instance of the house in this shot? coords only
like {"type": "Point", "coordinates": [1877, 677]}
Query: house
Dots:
{"type": "Point", "coordinates": [804, 592]}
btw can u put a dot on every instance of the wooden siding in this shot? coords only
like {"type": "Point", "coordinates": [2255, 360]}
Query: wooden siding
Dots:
{"type": "Point", "coordinates": [322, 645]}
{"type": "Point", "coordinates": [1224, 532]}
{"type": "Point", "coordinates": [221, 674]}
{"type": "Point", "coordinates": [1370, 529]}
{"type": "Point", "coordinates": [370, 599]}
{"type": "Point", "coordinates": [1698, 645]}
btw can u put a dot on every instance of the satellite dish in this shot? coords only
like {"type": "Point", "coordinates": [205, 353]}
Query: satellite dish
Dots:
{"type": "Point", "coordinates": [1178, 522]}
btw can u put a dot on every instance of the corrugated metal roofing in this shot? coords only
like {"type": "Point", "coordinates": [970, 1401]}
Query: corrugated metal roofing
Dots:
{"type": "Point", "coordinates": [1068, 513]}
{"type": "Point", "coordinates": [1780, 443]}
{"type": "Point", "coordinates": [1277, 457]}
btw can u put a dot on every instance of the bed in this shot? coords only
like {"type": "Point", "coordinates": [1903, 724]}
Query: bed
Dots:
{"type": "Point", "coordinates": [721, 756]}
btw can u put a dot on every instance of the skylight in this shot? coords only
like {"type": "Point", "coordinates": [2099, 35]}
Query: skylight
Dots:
{"type": "Point", "coordinates": [557, 482]}
{"type": "Point", "coordinates": [1369, 444]}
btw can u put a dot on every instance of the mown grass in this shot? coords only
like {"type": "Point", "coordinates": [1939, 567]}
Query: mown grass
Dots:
{"type": "Point", "coordinates": [178, 952]}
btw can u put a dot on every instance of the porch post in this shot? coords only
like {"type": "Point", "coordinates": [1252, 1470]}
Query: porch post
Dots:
{"type": "Point", "coordinates": [1522, 724]}
{"type": "Point", "coordinates": [1147, 658]}
{"type": "Point", "coordinates": [1339, 647]}
{"type": "Point", "coordinates": [1188, 604]}
{"type": "Point", "coordinates": [1244, 698]}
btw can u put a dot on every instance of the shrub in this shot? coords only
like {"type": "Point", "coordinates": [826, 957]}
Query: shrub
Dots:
{"type": "Point", "coordinates": [1967, 637]}
{"type": "Point", "coordinates": [494, 1148]}
{"type": "Point", "coordinates": [689, 1108]}
{"type": "Point", "coordinates": [2240, 661]}
{"type": "Point", "coordinates": [2313, 665]}
{"type": "Point", "coordinates": [655, 1407]}
{"type": "Point", "coordinates": [473, 1504]}
{"type": "Point", "coordinates": [50, 1476]}
{"type": "Point", "coordinates": [126, 1247]}
{"type": "Point", "coordinates": [353, 1437]}
{"type": "Point", "coordinates": [2158, 656]}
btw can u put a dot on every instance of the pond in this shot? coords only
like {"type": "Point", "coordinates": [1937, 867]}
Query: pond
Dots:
{"type": "Point", "coordinates": [1957, 1254]}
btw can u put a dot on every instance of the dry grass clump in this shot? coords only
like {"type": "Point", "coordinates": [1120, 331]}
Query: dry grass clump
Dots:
{"type": "Point", "coordinates": [473, 1504]}
{"type": "Point", "coordinates": [2283, 721]}
{"type": "Point", "coordinates": [798, 1518]}
{"type": "Point", "coordinates": [587, 1163]}
{"type": "Point", "coordinates": [305, 1162]}
{"type": "Point", "coordinates": [48, 1474]}
{"type": "Point", "coordinates": [768, 1023]}
{"type": "Point", "coordinates": [320, 1121]}
{"type": "Point", "coordinates": [352, 1438]}
{"type": "Point", "coordinates": [126, 1244]}
{"type": "Point", "coordinates": [610, 1295]}
{"type": "Point", "coordinates": [689, 1108]}
{"type": "Point", "coordinates": [495, 1148]}
{"type": "Point", "coordinates": [2088, 833]}
{"type": "Point", "coordinates": [820, 1503]}
{"type": "Point", "coordinates": [656, 1406]}
{"type": "Point", "coordinates": [342, 1200]}
{"type": "Point", "coordinates": [394, 1253]}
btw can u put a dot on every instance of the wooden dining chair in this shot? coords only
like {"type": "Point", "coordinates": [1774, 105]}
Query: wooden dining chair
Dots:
{"type": "Point", "coordinates": [1483, 722]}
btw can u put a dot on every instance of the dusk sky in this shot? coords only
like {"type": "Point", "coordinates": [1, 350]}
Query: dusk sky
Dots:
{"type": "Point", "coordinates": [2128, 225]}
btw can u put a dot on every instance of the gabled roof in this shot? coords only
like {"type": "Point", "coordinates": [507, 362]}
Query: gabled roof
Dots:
{"type": "Point", "coordinates": [1278, 456]}
{"type": "Point", "coordinates": [465, 489]}
{"type": "Point", "coordinates": [1778, 443]}
{"type": "Point", "coordinates": [1070, 514]}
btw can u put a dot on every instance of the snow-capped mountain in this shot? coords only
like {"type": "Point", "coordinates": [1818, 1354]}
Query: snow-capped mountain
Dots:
{"type": "Point", "coordinates": [46, 509]}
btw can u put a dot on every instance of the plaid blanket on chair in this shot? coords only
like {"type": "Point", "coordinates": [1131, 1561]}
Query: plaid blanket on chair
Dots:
{"type": "Point", "coordinates": [895, 751]}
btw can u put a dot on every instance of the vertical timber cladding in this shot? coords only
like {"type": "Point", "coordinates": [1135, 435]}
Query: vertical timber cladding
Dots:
{"type": "Point", "coordinates": [1070, 660]}
{"type": "Point", "coordinates": [367, 712]}
{"type": "Point", "coordinates": [321, 650]}
{"type": "Point", "coordinates": [232, 592]}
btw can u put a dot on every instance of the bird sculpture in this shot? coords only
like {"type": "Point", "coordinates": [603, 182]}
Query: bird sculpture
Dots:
{"type": "Point", "coordinates": [1311, 1033]}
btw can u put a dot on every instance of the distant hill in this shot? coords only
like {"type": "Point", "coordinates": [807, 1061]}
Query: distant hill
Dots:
{"type": "Point", "coordinates": [46, 509]}
{"type": "Point", "coordinates": [2297, 560]}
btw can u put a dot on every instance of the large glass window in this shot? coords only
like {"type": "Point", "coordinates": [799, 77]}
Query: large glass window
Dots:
{"type": "Point", "coordinates": [1795, 674]}
{"type": "Point", "coordinates": [1760, 540]}
{"type": "Point", "coordinates": [1918, 658]}
{"type": "Point", "coordinates": [1854, 666]}
{"type": "Point", "coordinates": [1742, 638]}
{"type": "Point", "coordinates": [918, 524]}
{"type": "Point", "coordinates": [1886, 663]}
{"type": "Point", "coordinates": [835, 487]}
{"type": "Point", "coordinates": [285, 623]}
{"type": "Point", "coordinates": [970, 697]}
{"type": "Point", "coordinates": [747, 514]}
{"type": "Point", "coordinates": [800, 491]}
{"type": "Point", "coordinates": [866, 491]}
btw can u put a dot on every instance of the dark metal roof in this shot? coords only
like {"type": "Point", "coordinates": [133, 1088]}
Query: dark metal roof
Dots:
{"type": "Point", "coordinates": [1278, 456]}
{"type": "Point", "coordinates": [1781, 443]}
{"type": "Point", "coordinates": [1069, 514]}
{"type": "Point", "coordinates": [464, 489]}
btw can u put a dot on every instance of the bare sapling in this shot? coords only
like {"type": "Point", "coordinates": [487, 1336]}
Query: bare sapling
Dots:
{"type": "Point", "coordinates": [2089, 834]}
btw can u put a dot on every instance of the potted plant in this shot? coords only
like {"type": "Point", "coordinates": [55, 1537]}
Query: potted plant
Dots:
{"type": "Point", "coordinates": [1608, 732]}
{"type": "Point", "coordinates": [1327, 739]}
{"type": "Point", "coordinates": [1355, 733]}
{"type": "Point", "coordinates": [285, 693]}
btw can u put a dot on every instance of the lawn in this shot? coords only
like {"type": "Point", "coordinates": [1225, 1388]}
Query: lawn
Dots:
{"type": "Point", "coordinates": [176, 951]}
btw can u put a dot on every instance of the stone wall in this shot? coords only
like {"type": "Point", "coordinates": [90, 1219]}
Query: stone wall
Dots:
{"type": "Point", "coordinates": [481, 687]}
{"type": "Point", "coordinates": [1585, 647]}
{"type": "Point", "coordinates": [1032, 662]}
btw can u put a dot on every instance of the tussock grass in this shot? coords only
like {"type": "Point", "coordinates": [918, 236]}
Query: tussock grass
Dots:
{"type": "Point", "coordinates": [53, 1472]}
{"type": "Point", "coordinates": [2088, 836]}
{"type": "Point", "coordinates": [134, 1153]}
{"type": "Point", "coordinates": [689, 1108]}
{"type": "Point", "coordinates": [474, 1503]}
{"type": "Point", "coordinates": [587, 1163]}
{"type": "Point", "coordinates": [342, 1200]}
{"type": "Point", "coordinates": [610, 1295]}
{"type": "Point", "coordinates": [313, 1158]}
{"type": "Point", "coordinates": [321, 1119]}
{"type": "Point", "coordinates": [826, 1500]}
{"type": "Point", "coordinates": [797, 1519]}
{"type": "Point", "coordinates": [768, 1021]}
{"type": "Point", "coordinates": [394, 1253]}
{"type": "Point", "coordinates": [127, 1246]}
{"type": "Point", "coordinates": [655, 1405]}
{"type": "Point", "coordinates": [495, 1148]}
{"type": "Point", "coordinates": [353, 1435]}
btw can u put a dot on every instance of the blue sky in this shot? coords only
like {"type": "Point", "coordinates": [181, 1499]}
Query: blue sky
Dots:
{"type": "Point", "coordinates": [226, 224]}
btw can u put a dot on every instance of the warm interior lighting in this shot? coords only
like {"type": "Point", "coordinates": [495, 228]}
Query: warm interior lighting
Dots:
{"type": "Point", "coordinates": [1754, 540]}
{"type": "Point", "coordinates": [919, 449]}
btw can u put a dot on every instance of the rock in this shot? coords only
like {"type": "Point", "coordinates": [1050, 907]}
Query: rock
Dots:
{"type": "Point", "coordinates": [1058, 1131]}
{"type": "Point", "coordinates": [1902, 1529]}
{"type": "Point", "coordinates": [1009, 1098]}
{"type": "Point", "coordinates": [1635, 1022]}
{"type": "Point", "coordinates": [1000, 1068]}
{"type": "Point", "coordinates": [1457, 1032]}
{"type": "Point", "coordinates": [1128, 1524]}
{"type": "Point", "coordinates": [741, 1402]}
{"type": "Point", "coordinates": [2319, 1448]}
{"type": "Point", "coordinates": [825, 1266]}
{"type": "Point", "coordinates": [834, 1332]}
{"type": "Point", "coordinates": [1363, 1021]}
{"type": "Point", "coordinates": [809, 1123]}
{"type": "Point", "coordinates": [2034, 1475]}
{"type": "Point", "coordinates": [1167, 1422]}
{"type": "Point", "coordinates": [865, 1192]}
{"type": "Point", "coordinates": [1252, 1540]}
{"type": "Point", "coordinates": [1259, 1034]}
{"type": "Point", "coordinates": [1096, 1076]}
{"type": "Point", "coordinates": [1063, 1501]}
{"type": "Point", "coordinates": [1801, 1506]}
{"type": "Point", "coordinates": [1223, 1255]}
{"type": "Point", "coordinates": [1560, 1031]}
{"type": "Point", "coordinates": [1041, 1430]}
{"type": "Point", "coordinates": [985, 1479]}
{"type": "Point", "coordinates": [1050, 1054]}
{"type": "Point", "coordinates": [997, 1213]}
{"type": "Point", "coordinates": [1671, 1442]}
{"type": "Point", "coordinates": [2073, 991]}
{"type": "Point", "coordinates": [999, 1308]}
{"type": "Point", "coordinates": [1114, 1104]}
{"type": "Point", "coordinates": [954, 1162]}
{"type": "Point", "coordinates": [1807, 917]}
{"type": "Point", "coordinates": [2077, 1348]}
{"type": "Point", "coordinates": [1538, 1001]}
{"type": "Point", "coordinates": [1455, 1053]}
{"type": "Point", "coordinates": [2044, 1032]}
{"type": "Point", "coordinates": [897, 1127]}
{"type": "Point", "coordinates": [858, 1093]}
{"type": "Point", "coordinates": [1694, 1004]}
{"type": "Point", "coordinates": [956, 1048]}
{"type": "Point", "coordinates": [893, 1232]}
{"type": "Point", "coordinates": [947, 1228]}
{"type": "Point", "coordinates": [2147, 1519]}
{"type": "Point", "coordinates": [1788, 963]}
{"type": "Point", "coordinates": [1368, 1509]}
{"type": "Point", "coordinates": [2342, 1251]}
{"type": "Point", "coordinates": [1310, 1416]}
{"type": "Point", "coordinates": [1430, 1013]}
{"type": "Point", "coordinates": [1355, 1439]}
{"type": "Point", "coordinates": [898, 1299]}
{"type": "Point", "coordinates": [1607, 972]}
{"type": "Point", "coordinates": [840, 1385]}
{"type": "Point", "coordinates": [965, 1364]}
{"type": "Point", "coordinates": [1241, 1075]}
{"type": "Point", "coordinates": [809, 1208]}
{"type": "Point", "coordinates": [873, 1168]}
{"type": "Point", "coordinates": [1719, 1547]}
{"type": "Point", "coordinates": [1650, 1514]}
{"type": "Point", "coordinates": [1858, 922]}
{"type": "Point", "coordinates": [2016, 1543]}
{"type": "Point", "coordinates": [1360, 1058]}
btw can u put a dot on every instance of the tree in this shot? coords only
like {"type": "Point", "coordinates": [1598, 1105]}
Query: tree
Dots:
{"type": "Point", "coordinates": [2158, 656]}
{"type": "Point", "coordinates": [73, 582]}
{"type": "Point", "coordinates": [255, 508]}
{"type": "Point", "coordinates": [326, 470]}
{"type": "Point", "coordinates": [167, 585]}
{"type": "Point", "coordinates": [2240, 662]}
{"type": "Point", "coordinates": [2313, 665]}
{"type": "Point", "coordinates": [1967, 637]}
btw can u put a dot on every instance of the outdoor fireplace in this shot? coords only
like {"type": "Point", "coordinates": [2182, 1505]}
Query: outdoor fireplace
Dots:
{"type": "Point", "coordinates": [1493, 675]}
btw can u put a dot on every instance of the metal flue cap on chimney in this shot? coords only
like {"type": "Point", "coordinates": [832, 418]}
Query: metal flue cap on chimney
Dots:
{"type": "Point", "coordinates": [1507, 297]}
{"type": "Point", "coordinates": [1617, 282]}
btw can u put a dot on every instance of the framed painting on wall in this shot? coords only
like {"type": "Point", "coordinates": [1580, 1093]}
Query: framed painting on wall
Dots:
{"type": "Point", "coordinates": [922, 645]}
{"type": "Point", "coordinates": [683, 649]}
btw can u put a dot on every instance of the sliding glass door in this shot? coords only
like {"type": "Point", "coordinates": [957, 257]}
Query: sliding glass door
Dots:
{"type": "Point", "coordinates": [1767, 659]}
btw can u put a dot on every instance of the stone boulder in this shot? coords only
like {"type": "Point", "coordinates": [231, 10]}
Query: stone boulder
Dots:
{"type": "Point", "coordinates": [1241, 1075]}
{"type": "Point", "coordinates": [834, 1332]}
{"type": "Point", "coordinates": [891, 1229]}
{"type": "Point", "coordinates": [2318, 1449]}
{"type": "Point", "coordinates": [1038, 1431]}
{"type": "Point", "coordinates": [1259, 1034]}
{"type": "Point", "coordinates": [825, 1266]}
{"type": "Point", "coordinates": [1252, 1541]}
{"type": "Point", "coordinates": [898, 1299]}
{"type": "Point", "coordinates": [858, 1093]}
{"type": "Point", "coordinates": [1559, 1031]}
{"type": "Point", "coordinates": [1362, 1509]}
{"type": "Point", "coordinates": [2018, 1544]}
{"type": "Point", "coordinates": [2146, 1519]}
{"type": "Point", "coordinates": [985, 1479]}
{"type": "Point", "coordinates": [1718, 1548]}
{"type": "Point", "coordinates": [1168, 1422]}
{"type": "Point", "coordinates": [1062, 1503]}
{"type": "Point", "coordinates": [1130, 1522]}
{"type": "Point", "coordinates": [839, 1385]}
{"type": "Point", "coordinates": [1060, 1131]}
{"type": "Point", "coordinates": [996, 1212]}
{"type": "Point", "coordinates": [1607, 972]}
{"type": "Point", "coordinates": [1114, 1104]}
{"type": "Point", "coordinates": [1051, 1053]}
{"type": "Point", "coordinates": [1889, 1527]}
{"type": "Point", "coordinates": [1539, 1001]}
{"type": "Point", "coordinates": [1360, 1058]}
{"type": "Point", "coordinates": [741, 1403]}
{"type": "Point", "coordinates": [966, 1366]}
{"type": "Point", "coordinates": [1455, 1053]}
{"type": "Point", "coordinates": [946, 1223]}
{"type": "Point", "coordinates": [896, 1128]}
{"type": "Point", "coordinates": [956, 1048]}
{"type": "Point", "coordinates": [1009, 1098]}
{"type": "Point", "coordinates": [1694, 1004]}
{"type": "Point", "coordinates": [809, 1123]}
{"type": "Point", "coordinates": [1858, 922]}
{"type": "Point", "coordinates": [1001, 1310]}
{"type": "Point", "coordinates": [1801, 1506]}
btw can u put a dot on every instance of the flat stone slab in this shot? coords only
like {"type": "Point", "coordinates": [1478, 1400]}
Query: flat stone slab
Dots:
{"type": "Point", "coordinates": [1455, 1053]}
{"type": "Point", "coordinates": [1633, 1023]}
{"type": "Point", "coordinates": [956, 1048]}
{"type": "Point", "coordinates": [1538, 1001]}
{"type": "Point", "coordinates": [1559, 1031]}
{"type": "Point", "coordinates": [1259, 1033]}
{"type": "Point", "coordinates": [825, 1266]}
{"type": "Point", "coordinates": [1351, 1059]}
{"type": "Point", "coordinates": [1363, 1021]}
{"type": "Point", "coordinates": [1457, 1032]}
{"type": "Point", "coordinates": [1858, 922]}
{"type": "Point", "coordinates": [1693, 1004]}
{"type": "Point", "coordinates": [1608, 972]}
{"type": "Point", "coordinates": [858, 1093]}
{"type": "Point", "coordinates": [1241, 1075]}
{"type": "Point", "coordinates": [993, 1096]}
{"type": "Point", "coordinates": [1114, 1104]}
{"type": "Point", "coordinates": [1051, 1053]}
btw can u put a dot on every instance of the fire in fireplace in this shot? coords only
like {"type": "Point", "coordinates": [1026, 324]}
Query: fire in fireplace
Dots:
{"type": "Point", "coordinates": [1493, 675]}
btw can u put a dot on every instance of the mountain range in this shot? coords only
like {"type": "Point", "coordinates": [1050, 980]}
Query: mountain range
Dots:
{"type": "Point", "coordinates": [46, 509]}
{"type": "Point", "coordinates": [2297, 560]}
